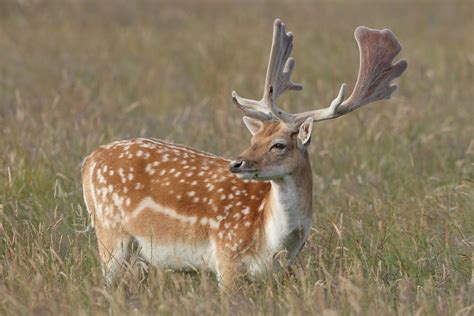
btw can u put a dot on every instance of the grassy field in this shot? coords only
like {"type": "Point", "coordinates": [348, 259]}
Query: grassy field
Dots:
{"type": "Point", "coordinates": [393, 229]}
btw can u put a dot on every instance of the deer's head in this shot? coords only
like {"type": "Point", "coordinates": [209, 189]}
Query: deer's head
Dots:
{"type": "Point", "coordinates": [280, 139]}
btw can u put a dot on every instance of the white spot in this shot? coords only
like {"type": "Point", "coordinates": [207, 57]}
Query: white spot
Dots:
{"type": "Point", "coordinates": [139, 153]}
{"type": "Point", "coordinates": [162, 172]}
{"type": "Point", "coordinates": [177, 174]}
{"type": "Point", "coordinates": [118, 201]}
{"type": "Point", "coordinates": [111, 172]}
{"type": "Point", "coordinates": [149, 169]}
{"type": "Point", "coordinates": [103, 192]}
{"type": "Point", "coordinates": [203, 220]}
{"type": "Point", "coordinates": [247, 224]}
{"type": "Point", "coordinates": [213, 224]}
{"type": "Point", "coordinates": [130, 176]}
{"type": "Point", "coordinates": [191, 193]}
{"type": "Point", "coordinates": [246, 210]}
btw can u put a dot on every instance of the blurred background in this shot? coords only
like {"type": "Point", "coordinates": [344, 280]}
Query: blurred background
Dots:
{"type": "Point", "coordinates": [393, 197]}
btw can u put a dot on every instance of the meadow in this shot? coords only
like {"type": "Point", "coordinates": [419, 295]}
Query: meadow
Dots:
{"type": "Point", "coordinates": [393, 230]}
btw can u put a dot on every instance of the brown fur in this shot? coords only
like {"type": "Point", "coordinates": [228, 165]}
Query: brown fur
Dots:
{"type": "Point", "coordinates": [206, 201]}
{"type": "Point", "coordinates": [121, 177]}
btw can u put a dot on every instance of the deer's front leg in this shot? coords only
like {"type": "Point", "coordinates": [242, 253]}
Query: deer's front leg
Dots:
{"type": "Point", "coordinates": [227, 272]}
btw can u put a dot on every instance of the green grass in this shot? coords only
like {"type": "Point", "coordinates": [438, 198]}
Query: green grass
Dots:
{"type": "Point", "coordinates": [393, 229]}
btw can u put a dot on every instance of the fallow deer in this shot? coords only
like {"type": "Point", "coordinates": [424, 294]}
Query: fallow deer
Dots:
{"type": "Point", "coordinates": [187, 209]}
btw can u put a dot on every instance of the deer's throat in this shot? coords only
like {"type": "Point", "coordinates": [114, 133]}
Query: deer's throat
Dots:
{"type": "Point", "coordinates": [288, 212]}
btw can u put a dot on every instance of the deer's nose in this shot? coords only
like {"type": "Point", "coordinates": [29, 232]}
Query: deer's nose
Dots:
{"type": "Point", "coordinates": [235, 165]}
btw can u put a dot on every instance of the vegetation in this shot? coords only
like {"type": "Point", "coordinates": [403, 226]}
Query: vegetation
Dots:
{"type": "Point", "coordinates": [393, 229]}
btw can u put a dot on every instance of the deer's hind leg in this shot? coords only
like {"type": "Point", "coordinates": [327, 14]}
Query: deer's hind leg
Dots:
{"type": "Point", "coordinates": [114, 251]}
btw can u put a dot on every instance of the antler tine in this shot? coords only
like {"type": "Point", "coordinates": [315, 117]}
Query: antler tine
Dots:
{"type": "Point", "coordinates": [277, 79]}
{"type": "Point", "coordinates": [280, 66]}
{"type": "Point", "coordinates": [251, 108]}
{"type": "Point", "coordinates": [377, 49]}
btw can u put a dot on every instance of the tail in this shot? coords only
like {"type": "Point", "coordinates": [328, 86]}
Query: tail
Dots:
{"type": "Point", "coordinates": [88, 192]}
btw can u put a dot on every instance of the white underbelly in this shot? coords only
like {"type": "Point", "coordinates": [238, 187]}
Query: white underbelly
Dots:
{"type": "Point", "coordinates": [178, 256]}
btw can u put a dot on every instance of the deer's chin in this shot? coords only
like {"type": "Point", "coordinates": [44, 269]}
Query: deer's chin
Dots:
{"type": "Point", "coordinates": [246, 175]}
{"type": "Point", "coordinates": [255, 175]}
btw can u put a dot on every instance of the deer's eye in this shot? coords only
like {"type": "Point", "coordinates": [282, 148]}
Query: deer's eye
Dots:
{"type": "Point", "coordinates": [278, 146]}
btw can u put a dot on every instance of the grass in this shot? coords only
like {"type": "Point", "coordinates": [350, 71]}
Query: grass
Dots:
{"type": "Point", "coordinates": [393, 229]}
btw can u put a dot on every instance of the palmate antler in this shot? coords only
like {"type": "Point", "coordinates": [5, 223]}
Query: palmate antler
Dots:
{"type": "Point", "coordinates": [377, 50]}
{"type": "Point", "coordinates": [277, 79]}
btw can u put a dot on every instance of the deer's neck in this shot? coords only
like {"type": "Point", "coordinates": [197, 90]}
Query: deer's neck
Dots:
{"type": "Point", "coordinates": [289, 207]}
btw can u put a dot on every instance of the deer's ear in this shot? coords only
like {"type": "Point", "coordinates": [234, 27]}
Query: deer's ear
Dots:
{"type": "Point", "coordinates": [304, 133]}
{"type": "Point", "coordinates": [253, 125]}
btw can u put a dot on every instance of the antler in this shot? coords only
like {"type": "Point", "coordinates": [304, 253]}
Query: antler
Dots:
{"type": "Point", "coordinates": [277, 79]}
{"type": "Point", "coordinates": [377, 50]}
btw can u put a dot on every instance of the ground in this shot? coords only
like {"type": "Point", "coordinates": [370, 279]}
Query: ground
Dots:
{"type": "Point", "coordinates": [393, 229]}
